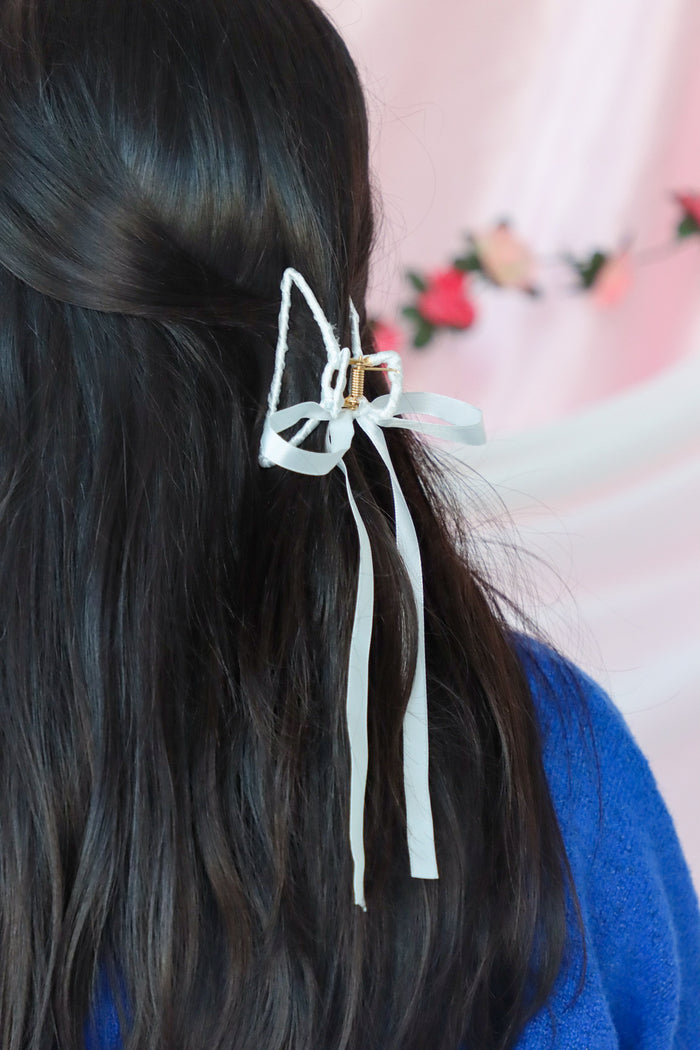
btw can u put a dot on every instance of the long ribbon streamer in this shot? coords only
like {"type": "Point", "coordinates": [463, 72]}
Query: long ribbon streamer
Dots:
{"type": "Point", "coordinates": [463, 423]}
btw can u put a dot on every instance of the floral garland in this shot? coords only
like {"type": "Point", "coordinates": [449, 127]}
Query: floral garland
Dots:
{"type": "Point", "coordinates": [443, 300]}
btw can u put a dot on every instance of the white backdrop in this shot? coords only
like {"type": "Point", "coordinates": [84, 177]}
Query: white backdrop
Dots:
{"type": "Point", "coordinates": [574, 121]}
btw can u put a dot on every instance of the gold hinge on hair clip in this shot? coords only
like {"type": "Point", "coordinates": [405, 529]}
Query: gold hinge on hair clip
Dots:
{"type": "Point", "coordinates": [357, 380]}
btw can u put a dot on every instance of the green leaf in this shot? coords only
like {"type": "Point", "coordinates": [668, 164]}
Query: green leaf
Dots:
{"type": "Point", "coordinates": [412, 312]}
{"type": "Point", "coordinates": [588, 269]}
{"type": "Point", "coordinates": [424, 333]}
{"type": "Point", "coordinates": [417, 281]}
{"type": "Point", "coordinates": [594, 267]}
{"type": "Point", "coordinates": [468, 263]}
{"type": "Point", "coordinates": [687, 226]}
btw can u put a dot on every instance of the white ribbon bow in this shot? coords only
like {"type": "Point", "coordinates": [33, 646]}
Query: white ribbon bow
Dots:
{"type": "Point", "coordinates": [464, 425]}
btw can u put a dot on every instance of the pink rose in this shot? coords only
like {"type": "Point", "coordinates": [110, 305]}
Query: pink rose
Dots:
{"type": "Point", "coordinates": [690, 202]}
{"type": "Point", "coordinates": [505, 259]}
{"type": "Point", "coordinates": [387, 337]}
{"type": "Point", "coordinates": [613, 280]}
{"type": "Point", "coordinates": [445, 300]}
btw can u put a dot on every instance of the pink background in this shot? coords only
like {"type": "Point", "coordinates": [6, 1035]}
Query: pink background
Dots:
{"type": "Point", "coordinates": [574, 121]}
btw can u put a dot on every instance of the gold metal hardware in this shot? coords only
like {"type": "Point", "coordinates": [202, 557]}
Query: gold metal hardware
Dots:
{"type": "Point", "coordinates": [357, 380]}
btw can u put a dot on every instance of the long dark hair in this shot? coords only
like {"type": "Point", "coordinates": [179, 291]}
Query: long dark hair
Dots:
{"type": "Point", "coordinates": [175, 619]}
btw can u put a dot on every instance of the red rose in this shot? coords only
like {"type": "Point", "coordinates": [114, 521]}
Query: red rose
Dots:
{"type": "Point", "coordinates": [690, 202]}
{"type": "Point", "coordinates": [386, 337]}
{"type": "Point", "coordinates": [445, 301]}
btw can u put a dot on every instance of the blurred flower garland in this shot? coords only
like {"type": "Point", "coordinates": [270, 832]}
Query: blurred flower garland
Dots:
{"type": "Point", "coordinates": [443, 299]}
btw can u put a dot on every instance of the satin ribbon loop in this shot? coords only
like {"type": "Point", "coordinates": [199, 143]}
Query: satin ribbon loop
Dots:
{"type": "Point", "coordinates": [463, 423]}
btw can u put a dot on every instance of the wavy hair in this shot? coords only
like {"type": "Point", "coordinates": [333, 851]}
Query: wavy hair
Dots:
{"type": "Point", "coordinates": [174, 768]}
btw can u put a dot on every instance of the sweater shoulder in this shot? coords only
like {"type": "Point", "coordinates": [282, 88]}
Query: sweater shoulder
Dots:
{"type": "Point", "coordinates": [637, 900]}
{"type": "Point", "coordinates": [590, 755]}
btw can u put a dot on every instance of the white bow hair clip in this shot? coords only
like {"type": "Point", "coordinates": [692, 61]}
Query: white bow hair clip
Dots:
{"type": "Point", "coordinates": [341, 411]}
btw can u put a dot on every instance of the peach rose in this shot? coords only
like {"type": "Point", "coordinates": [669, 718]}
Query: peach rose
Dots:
{"type": "Point", "coordinates": [505, 259]}
{"type": "Point", "coordinates": [613, 280]}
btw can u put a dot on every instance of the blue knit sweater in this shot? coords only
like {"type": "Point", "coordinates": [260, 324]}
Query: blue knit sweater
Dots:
{"type": "Point", "coordinates": [639, 908]}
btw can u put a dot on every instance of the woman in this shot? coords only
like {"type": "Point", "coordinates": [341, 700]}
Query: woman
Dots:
{"type": "Point", "coordinates": [176, 619]}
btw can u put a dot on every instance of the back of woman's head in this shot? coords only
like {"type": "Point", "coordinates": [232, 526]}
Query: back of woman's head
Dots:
{"type": "Point", "coordinates": [175, 620]}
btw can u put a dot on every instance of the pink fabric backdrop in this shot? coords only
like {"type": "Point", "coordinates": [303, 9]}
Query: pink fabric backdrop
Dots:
{"type": "Point", "coordinates": [574, 121]}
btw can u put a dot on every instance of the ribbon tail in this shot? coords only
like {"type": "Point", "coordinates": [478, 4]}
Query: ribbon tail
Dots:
{"type": "Point", "coordinates": [357, 695]}
{"type": "Point", "coordinates": [419, 815]}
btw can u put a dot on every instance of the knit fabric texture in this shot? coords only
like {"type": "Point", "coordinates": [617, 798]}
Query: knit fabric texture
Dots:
{"type": "Point", "coordinates": [640, 911]}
